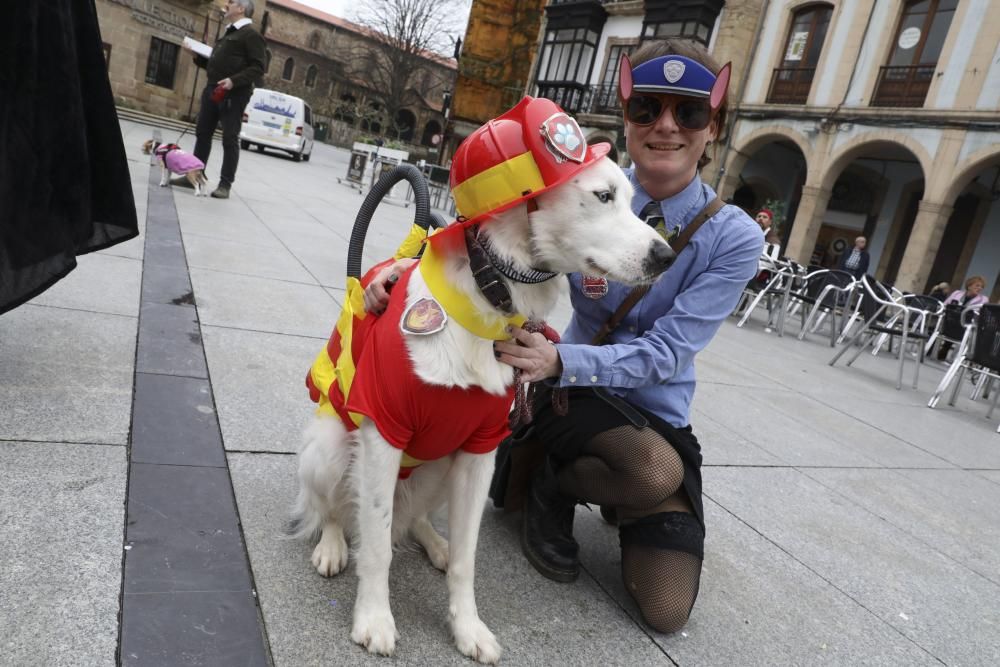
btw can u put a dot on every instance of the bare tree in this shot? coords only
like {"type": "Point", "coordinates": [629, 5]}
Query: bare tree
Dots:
{"type": "Point", "coordinates": [405, 36]}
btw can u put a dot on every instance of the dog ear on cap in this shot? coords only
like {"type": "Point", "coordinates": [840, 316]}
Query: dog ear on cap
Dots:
{"type": "Point", "coordinates": [720, 87]}
{"type": "Point", "coordinates": [625, 78]}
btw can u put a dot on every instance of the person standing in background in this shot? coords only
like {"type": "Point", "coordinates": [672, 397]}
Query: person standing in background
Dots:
{"type": "Point", "coordinates": [237, 61]}
{"type": "Point", "coordinates": [855, 261]}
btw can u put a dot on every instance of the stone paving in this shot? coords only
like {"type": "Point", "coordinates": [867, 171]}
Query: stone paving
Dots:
{"type": "Point", "coordinates": [848, 524]}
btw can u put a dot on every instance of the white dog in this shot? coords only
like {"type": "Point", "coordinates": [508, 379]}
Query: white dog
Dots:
{"type": "Point", "coordinates": [582, 225]}
{"type": "Point", "coordinates": [175, 160]}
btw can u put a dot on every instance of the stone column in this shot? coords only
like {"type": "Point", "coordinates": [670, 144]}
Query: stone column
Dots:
{"type": "Point", "coordinates": [728, 184]}
{"type": "Point", "coordinates": [921, 249]}
{"type": "Point", "coordinates": [808, 220]}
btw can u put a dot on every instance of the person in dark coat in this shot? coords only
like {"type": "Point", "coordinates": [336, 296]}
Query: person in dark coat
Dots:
{"type": "Point", "coordinates": [855, 261]}
{"type": "Point", "coordinates": [237, 61]}
{"type": "Point", "coordinates": [65, 188]}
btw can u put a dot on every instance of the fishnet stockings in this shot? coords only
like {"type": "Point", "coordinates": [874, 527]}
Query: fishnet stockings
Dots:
{"type": "Point", "coordinates": [625, 467]}
{"type": "Point", "coordinates": [663, 583]}
{"type": "Point", "coordinates": [639, 473]}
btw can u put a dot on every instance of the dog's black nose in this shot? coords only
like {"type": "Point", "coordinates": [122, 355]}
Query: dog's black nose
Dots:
{"type": "Point", "coordinates": [659, 258]}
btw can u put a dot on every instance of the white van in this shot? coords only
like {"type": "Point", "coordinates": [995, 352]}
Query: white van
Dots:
{"type": "Point", "coordinates": [277, 120]}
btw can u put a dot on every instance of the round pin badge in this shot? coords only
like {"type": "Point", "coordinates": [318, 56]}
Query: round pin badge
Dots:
{"type": "Point", "coordinates": [423, 318]}
{"type": "Point", "coordinates": [595, 287]}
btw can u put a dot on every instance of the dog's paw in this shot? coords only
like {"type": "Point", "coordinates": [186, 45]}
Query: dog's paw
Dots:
{"type": "Point", "coordinates": [437, 551]}
{"type": "Point", "coordinates": [475, 640]}
{"type": "Point", "coordinates": [163, 184]}
{"type": "Point", "coordinates": [330, 555]}
{"type": "Point", "coordinates": [376, 632]}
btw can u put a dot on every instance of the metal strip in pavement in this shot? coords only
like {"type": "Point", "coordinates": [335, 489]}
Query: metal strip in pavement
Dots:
{"type": "Point", "coordinates": [187, 591]}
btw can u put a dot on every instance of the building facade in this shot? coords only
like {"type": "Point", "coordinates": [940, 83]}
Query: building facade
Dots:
{"type": "Point", "coordinates": [309, 55]}
{"type": "Point", "coordinates": [848, 117]}
{"type": "Point", "coordinates": [581, 44]}
{"type": "Point", "coordinates": [500, 43]}
{"type": "Point", "coordinates": [315, 56]}
{"type": "Point", "coordinates": [878, 118]}
{"type": "Point", "coordinates": [142, 46]}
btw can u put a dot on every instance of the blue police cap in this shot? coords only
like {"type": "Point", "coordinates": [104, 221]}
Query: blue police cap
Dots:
{"type": "Point", "coordinates": [674, 75]}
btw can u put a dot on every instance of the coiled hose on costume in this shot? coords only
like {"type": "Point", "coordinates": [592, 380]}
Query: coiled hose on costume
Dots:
{"type": "Point", "coordinates": [423, 217]}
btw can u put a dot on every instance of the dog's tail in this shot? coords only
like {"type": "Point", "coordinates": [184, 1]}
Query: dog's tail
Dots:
{"type": "Point", "coordinates": [324, 458]}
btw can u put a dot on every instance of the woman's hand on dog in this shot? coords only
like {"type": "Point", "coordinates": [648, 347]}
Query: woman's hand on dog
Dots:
{"type": "Point", "coordinates": [532, 353]}
{"type": "Point", "coordinates": [377, 292]}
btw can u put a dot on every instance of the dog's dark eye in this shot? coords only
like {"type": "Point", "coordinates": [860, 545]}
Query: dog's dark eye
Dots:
{"type": "Point", "coordinates": [605, 196]}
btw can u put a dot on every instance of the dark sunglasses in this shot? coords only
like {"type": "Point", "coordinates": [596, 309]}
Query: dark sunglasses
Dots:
{"type": "Point", "coordinates": [689, 114]}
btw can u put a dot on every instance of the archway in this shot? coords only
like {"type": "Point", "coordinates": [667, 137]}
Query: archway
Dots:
{"type": "Point", "coordinates": [970, 245]}
{"type": "Point", "coordinates": [875, 187]}
{"type": "Point", "coordinates": [431, 129]}
{"type": "Point", "coordinates": [404, 125]}
{"type": "Point", "coordinates": [771, 172]}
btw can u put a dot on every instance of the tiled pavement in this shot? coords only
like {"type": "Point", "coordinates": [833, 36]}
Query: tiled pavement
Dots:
{"type": "Point", "coordinates": [848, 524]}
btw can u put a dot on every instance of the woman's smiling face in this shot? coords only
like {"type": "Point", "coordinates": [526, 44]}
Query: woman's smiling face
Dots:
{"type": "Point", "coordinates": [665, 154]}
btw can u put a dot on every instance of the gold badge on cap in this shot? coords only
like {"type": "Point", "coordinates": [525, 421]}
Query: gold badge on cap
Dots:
{"type": "Point", "coordinates": [424, 317]}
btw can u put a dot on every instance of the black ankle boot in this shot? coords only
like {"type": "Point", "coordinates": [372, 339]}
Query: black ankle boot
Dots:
{"type": "Point", "coordinates": [547, 529]}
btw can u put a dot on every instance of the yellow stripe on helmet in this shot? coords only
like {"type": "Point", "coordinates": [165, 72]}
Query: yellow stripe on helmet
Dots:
{"type": "Point", "coordinates": [498, 185]}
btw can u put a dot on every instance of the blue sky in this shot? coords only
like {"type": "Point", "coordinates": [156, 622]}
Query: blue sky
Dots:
{"type": "Point", "coordinates": [335, 7]}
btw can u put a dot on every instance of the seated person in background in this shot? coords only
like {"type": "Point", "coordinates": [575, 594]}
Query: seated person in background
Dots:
{"type": "Point", "coordinates": [772, 244]}
{"type": "Point", "coordinates": [970, 297]}
{"type": "Point", "coordinates": [941, 291]}
{"type": "Point", "coordinates": [855, 261]}
{"type": "Point", "coordinates": [972, 294]}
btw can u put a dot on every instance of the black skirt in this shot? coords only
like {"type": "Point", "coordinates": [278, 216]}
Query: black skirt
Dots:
{"type": "Point", "coordinates": [593, 411]}
{"type": "Point", "coordinates": [64, 179]}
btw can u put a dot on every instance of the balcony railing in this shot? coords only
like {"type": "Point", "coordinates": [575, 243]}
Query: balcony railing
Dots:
{"type": "Point", "coordinates": [903, 86]}
{"type": "Point", "coordinates": [790, 85]}
{"type": "Point", "coordinates": [579, 98]}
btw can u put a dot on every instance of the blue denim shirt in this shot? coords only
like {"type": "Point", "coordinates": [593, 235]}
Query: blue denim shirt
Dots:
{"type": "Point", "coordinates": [649, 358]}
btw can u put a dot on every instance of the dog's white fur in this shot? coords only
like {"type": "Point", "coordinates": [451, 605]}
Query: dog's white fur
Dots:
{"type": "Point", "coordinates": [196, 178]}
{"type": "Point", "coordinates": [347, 481]}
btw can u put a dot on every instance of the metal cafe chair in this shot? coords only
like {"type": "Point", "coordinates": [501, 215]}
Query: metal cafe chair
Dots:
{"type": "Point", "coordinates": [930, 308]}
{"type": "Point", "coordinates": [773, 294]}
{"type": "Point", "coordinates": [949, 327]}
{"type": "Point", "coordinates": [885, 315]}
{"type": "Point", "coordinates": [858, 297]}
{"type": "Point", "coordinates": [979, 352]}
{"type": "Point", "coordinates": [829, 293]}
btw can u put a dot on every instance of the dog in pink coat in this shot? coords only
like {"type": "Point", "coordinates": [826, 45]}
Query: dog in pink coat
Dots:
{"type": "Point", "coordinates": [174, 160]}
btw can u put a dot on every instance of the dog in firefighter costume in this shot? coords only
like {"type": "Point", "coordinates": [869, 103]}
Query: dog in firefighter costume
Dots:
{"type": "Point", "coordinates": [413, 402]}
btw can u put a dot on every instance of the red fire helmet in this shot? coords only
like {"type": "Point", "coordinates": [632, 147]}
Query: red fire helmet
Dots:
{"type": "Point", "coordinates": [517, 156]}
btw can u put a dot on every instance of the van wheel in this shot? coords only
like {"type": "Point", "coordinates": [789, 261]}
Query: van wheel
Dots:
{"type": "Point", "coordinates": [297, 157]}
{"type": "Point", "coordinates": [307, 156]}
{"type": "Point", "coordinates": [260, 149]}
{"type": "Point", "coordinates": [244, 145]}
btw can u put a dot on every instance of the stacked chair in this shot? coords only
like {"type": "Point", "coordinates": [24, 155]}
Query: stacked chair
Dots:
{"type": "Point", "coordinates": [978, 352]}
{"type": "Point", "coordinates": [885, 315]}
{"type": "Point", "coordinates": [829, 293]}
{"type": "Point", "coordinates": [950, 327]}
{"type": "Point", "coordinates": [784, 276]}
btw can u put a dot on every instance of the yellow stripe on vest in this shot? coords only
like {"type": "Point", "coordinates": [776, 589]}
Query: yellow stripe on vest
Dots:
{"type": "Point", "coordinates": [498, 185]}
{"type": "Point", "coordinates": [354, 306]}
{"type": "Point", "coordinates": [410, 247]}
{"type": "Point", "coordinates": [458, 306]}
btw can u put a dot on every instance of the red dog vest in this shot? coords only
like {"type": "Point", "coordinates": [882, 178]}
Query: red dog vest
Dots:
{"type": "Point", "coordinates": [426, 421]}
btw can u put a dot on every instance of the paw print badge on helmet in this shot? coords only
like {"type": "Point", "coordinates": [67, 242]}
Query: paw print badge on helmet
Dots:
{"type": "Point", "coordinates": [522, 153]}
